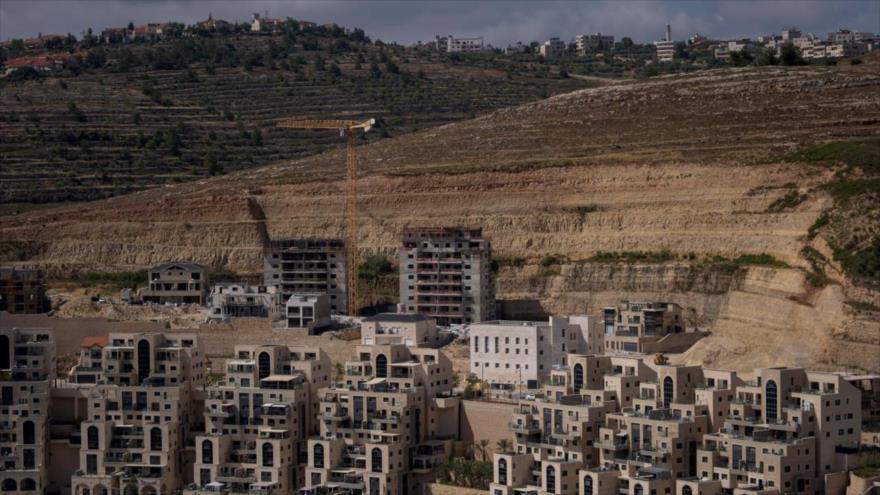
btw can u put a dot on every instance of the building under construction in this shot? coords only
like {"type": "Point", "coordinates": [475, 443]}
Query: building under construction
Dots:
{"type": "Point", "coordinates": [300, 266]}
{"type": "Point", "coordinates": [445, 273]}
{"type": "Point", "coordinates": [23, 290]}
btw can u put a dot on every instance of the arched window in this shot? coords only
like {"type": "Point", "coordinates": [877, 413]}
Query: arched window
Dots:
{"type": "Point", "coordinates": [156, 439]}
{"type": "Point", "coordinates": [92, 437]}
{"type": "Point", "coordinates": [668, 391]}
{"type": "Point", "coordinates": [27, 431]}
{"type": "Point", "coordinates": [686, 490]}
{"type": "Point", "coordinates": [381, 366]}
{"type": "Point", "coordinates": [207, 452]}
{"type": "Point", "coordinates": [578, 377]}
{"type": "Point", "coordinates": [502, 471]}
{"type": "Point", "coordinates": [9, 485]}
{"type": "Point", "coordinates": [265, 365]}
{"type": "Point", "coordinates": [4, 354]}
{"type": "Point", "coordinates": [770, 393]}
{"type": "Point", "coordinates": [588, 485]}
{"type": "Point", "coordinates": [377, 460]}
{"type": "Point", "coordinates": [143, 360]}
{"type": "Point", "coordinates": [28, 484]}
{"type": "Point", "coordinates": [268, 455]}
{"type": "Point", "coordinates": [639, 490]}
{"type": "Point", "coordinates": [318, 455]}
{"type": "Point", "coordinates": [551, 479]}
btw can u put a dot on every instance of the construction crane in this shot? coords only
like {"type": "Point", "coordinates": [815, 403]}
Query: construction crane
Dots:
{"type": "Point", "coordinates": [347, 129]}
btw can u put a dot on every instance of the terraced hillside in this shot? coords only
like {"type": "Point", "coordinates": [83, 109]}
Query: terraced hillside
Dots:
{"type": "Point", "coordinates": [749, 196]}
{"type": "Point", "coordinates": [109, 131]}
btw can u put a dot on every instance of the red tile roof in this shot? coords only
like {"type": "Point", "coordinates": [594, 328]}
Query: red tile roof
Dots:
{"type": "Point", "coordinates": [95, 341]}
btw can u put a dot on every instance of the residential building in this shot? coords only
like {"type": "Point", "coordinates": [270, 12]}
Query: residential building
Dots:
{"type": "Point", "coordinates": [515, 354]}
{"type": "Point", "coordinates": [257, 421]}
{"type": "Point", "coordinates": [518, 48]}
{"type": "Point", "coordinates": [236, 300]}
{"type": "Point", "coordinates": [27, 370]}
{"type": "Point", "coordinates": [410, 329]}
{"type": "Point", "coordinates": [847, 36]}
{"type": "Point", "coordinates": [553, 48]}
{"type": "Point", "coordinates": [177, 282]}
{"type": "Point", "coordinates": [387, 424]}
{"type": "Point", "coordinates": [307, 266]}
{"type": "Point", "coordinates": [264, 24]}
{"type": "Point", "coordinates": [450, 44]}
{"type": "Point", "coordinates": [790, 34]}
{"type": "Point", "coordinates": [140, 411]}
{"type": "Point", "coordinates": [446, 274]}
{"type": "Point", "coordinates": [586, 43]}
{"type": "Point", "coordinates": [150, 30]}
{"type": "Point", "coordinates": [647, 327]}
{"type": "Point", "coordinates": [309, 311]}
{"type": "Point", "coordinates": [23, 290]}
{"type": "Point", "coordinates": [665, 47]}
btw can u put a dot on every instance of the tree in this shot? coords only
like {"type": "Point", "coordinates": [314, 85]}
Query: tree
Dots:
{"type": "Point", "coordinates": [131, 488]}
{"type": "Point", "coordinates": [790, 55]}
{"type": "Point", "coordinates": [768, 57]}
{"type": "Point", "coordinates": [660, 359]}
{"type": "Point", "coordinates": [504, 445]}
{"type": "Point", "coordinates": [482, 447]}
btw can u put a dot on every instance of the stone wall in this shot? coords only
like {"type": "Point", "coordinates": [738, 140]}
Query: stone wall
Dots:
{"type": "Point", "coordinates": [485, 420]}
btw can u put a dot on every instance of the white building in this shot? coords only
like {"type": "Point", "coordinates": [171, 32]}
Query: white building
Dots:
{"type": "Point", "coordinates": [666, 47]}
{"type": "Point", "coordinates": [309, 311]}
{"type": "Point", "coordinates": [553, 48]}
{"type": "Point", "coordinates": [508, 354]}
{"type": "Point", "coordinates": [409, 329]}
{"type": "Point", "coordinates": [593, 42]}
{"type": "Point", "coordinates": [450, 44]}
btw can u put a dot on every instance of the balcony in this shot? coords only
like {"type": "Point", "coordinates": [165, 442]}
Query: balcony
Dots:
{"type": "Point", "coordinates": [527, 428]}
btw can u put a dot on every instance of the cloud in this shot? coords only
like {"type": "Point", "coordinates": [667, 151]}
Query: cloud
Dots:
{"type": "Point", "coordinates": [500, 22]}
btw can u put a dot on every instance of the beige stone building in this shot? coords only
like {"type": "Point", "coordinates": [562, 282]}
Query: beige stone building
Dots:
{"type": "Point", "coordinates": [139, 413]}
{"type": "Point", "coordinates": [513, 355]}
{"type": "Point", "coordinates": [177, 282]}
{"type": "Point", "coordinates": [257, 421]}
{"type": "Point", "coordinates": [646, 327]}
{"type": "Point", "coordinates": [389, 421]}
{"type": "Point", "coordinates": [27, 370]}
{"type": "Point", "coordinates": [241, 300]}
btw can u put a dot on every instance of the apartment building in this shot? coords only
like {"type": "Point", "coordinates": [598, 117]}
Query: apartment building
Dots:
{"type": "Point", "coordinates": [646, 327]}
{"type": "Point", "coordinates": [516, 354]}
{"type": "Point", "coordinates": [27, 370]}
{"type": "Point", "coordinates": [308, 266]}
{"type": "Point", "coordinates": [665, 47]}
{"type": "Point", "coordinates": [553, 48]}
{"type": "Point", "coordinates": [451, 44]}
{"type": "Point", "coordinates": [445, 273]}
{"type": "Point", "coordinates": [177, 282]}
{"type": "Point", "coordinates": [586, 43]}
{"type": "Point", "coordinates": [410, 329]}
{"type": "Point", "coordinates": [309, 311]}
{"type": "Point", "coordinates": [257, 421]}
{"type": "Point", "coordinates": [241, 300]}
{"type": "Point", "coordinates": [387, 424]}
{"type": "Point", "coordinates": [23, 290]}
{"type": "Point", "coordinates": [140, 412]}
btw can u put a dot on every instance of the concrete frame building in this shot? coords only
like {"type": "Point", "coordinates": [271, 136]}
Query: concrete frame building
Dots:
{"type": "Point", "coordinates": [451, 44]}
{"type": "Point", "coordinates": [140, 415]}
{"type": "Point", "coordinates": [239, 300]}
{"type": "Point", "coordinates": [553, 48]}
{"type": "Point", "coordinates": [586, 43]}
{"type": "Point", "coordinates": [387, 425]}
{"type": "Point", "coordinates": [446, 274]}
{"type": "Point", "coordinates": [177, 282]}
{"type": "Point", "coordinates": [309, 311]}
{"type": "Point", "coordinates": [258, 419]}
{"type": "Point", "coordinates": [23, 290]}
{"type": "Point", "coordinates": [665, 47]}
{"type": "Point", "coordinates": [512, 354]}
{"type": "Point", "coordinates": [27, 370]}
{"type": "Point", "coordinates": [307, 266]}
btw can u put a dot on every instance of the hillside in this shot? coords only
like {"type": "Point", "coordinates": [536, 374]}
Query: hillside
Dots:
{"type": "Point", "coordinates": [152, 113]}
{"type": "Point", "coordinates": [752, 196]}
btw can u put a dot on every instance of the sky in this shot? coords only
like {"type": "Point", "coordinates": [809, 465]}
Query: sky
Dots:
{"type": "Point", "coordinates": [499, 22]}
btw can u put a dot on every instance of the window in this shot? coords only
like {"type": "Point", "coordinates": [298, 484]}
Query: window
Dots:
{"type": "Point", "coordinates": [156, 439]}
{"type": "Point", "coordinates": [551, 479]}
{"type": "Point", "coordinates": [318, 455]}
{"type": "Point", "coordinates": [268, 455]}
{"type": "Point", "coordinates": [207, 452]}
{"type": "Point", "coordinates": [771, 401]}
{"type": "Point", "coordinates": [502, 471]}
{"type": "Point", "coordinates": [588, 485]}
{"type": "Point", "coordinates": [376, 459]}
{"type": "Point", "coordinates": [28, 433]}
{"type": "Point", "coordinates": [92, 437]}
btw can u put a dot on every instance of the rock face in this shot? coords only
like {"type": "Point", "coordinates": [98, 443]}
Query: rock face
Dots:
{"type": "Point", "coordinates": [685, 164]}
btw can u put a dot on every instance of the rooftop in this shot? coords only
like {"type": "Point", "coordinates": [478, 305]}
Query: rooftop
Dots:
{"type": "Point", "coordinates": [398, 317]}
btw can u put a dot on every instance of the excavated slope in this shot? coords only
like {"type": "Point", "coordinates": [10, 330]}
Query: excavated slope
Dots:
{"type": "Point", "coordinates": [684, 163]}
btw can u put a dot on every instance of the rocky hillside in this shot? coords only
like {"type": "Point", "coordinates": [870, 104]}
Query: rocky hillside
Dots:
{"type": "Point", "coordinates": [749, 196]}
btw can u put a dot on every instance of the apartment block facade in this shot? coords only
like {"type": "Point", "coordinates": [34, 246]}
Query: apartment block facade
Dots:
{"type": "Point", "coordinates": [27, 370]}
{"type": "Point", "coordinates": [257, 420]}
{"type": "Point", "coordinates": [445, 273]}
{"type": "Point", "coordinates": [140, 413]}
{"type": "Point", "coordinates": [586, 43]}
{"type": "Point", "coordinates": [309, 311]}
{"type": "Point", "coordinates": [308, 266]}
{"type": "Point", "coordinates": [517, 354]}
{"type": "Point", "coordinates": [238, 300]}
{"type": "Point", "coordinates": [177, 282]}
{"type": "Point", "coordinates": [386, 424]}
{"type": "Point", "coordinates": [22, 290]}
{"type": "Point", "coordinates": [644, 327]}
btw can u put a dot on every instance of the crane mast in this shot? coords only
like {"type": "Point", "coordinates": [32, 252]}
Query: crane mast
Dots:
{"type": "Point", "coordinates": [348, 129]}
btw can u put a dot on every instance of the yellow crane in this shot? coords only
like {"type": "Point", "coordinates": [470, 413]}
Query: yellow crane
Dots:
{"type": "Point", "coordinates": [347, 129]}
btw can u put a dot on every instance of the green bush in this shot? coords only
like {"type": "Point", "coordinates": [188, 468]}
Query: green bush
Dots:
{"type": "Point", "coordinates": [374, 267]}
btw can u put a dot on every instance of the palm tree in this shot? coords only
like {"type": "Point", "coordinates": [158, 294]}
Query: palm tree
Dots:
{"type": "Point", "coordinates": [483, 448]}
{"type": "Point", "coordinates": [504, 445]}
